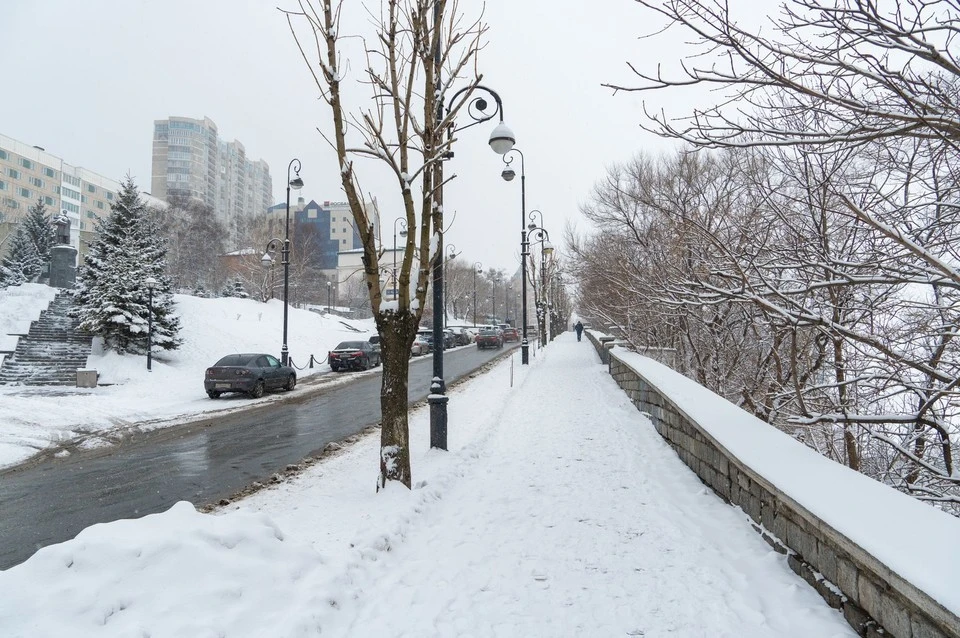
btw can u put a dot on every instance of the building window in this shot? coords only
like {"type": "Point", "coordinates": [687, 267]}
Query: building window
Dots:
{"type": "Point", "coordinates": [333, 230]}
{"type": "Point", "coordinates": [49, 172]}
{"type": "Point", "coordinates": [48, 200]}
{"type": "Point", "coordinates": [110, 196]}
{"type": "Point", "coordinates": [14, 173]}
{"type": "Point", "coordinates": [24, 162]}
{"type": "Point", "coordinates": [83, 225]}
{"type": "Point", "coordinates": [3, 154]}
{"type": "Point", "coordinates": [72, 194]}
{"type": "Point", "coordinates": [73, 181]}
{"type": "Point", "coordinates": [343, 241]}
{"type": "Point", "coordinates": [99, 204]}
{"type": "Point", "coordinates": [91, 214]}
{"type": "Point", "coordinates": [36, 181]}
{"type": "Point", "coordinates": [3, 185]}
{"type": "Point", "coordinates": [83, 199]}
{"type": "Point", "coordinates": [73, 208]}
{"type": "Point", "coordinates": [23, 192]}
{"type": "Point", "coordinates": [91, 188]}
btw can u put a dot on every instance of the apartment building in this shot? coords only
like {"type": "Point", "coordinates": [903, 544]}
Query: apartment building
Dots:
{"type": "Point", "coordinates": [190, 160]}
{"type": "Point", "coordinates": [29, 173]}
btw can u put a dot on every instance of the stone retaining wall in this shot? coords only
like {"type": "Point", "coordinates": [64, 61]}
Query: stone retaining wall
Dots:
{"type": "Point", "coordinates": [874, 600]}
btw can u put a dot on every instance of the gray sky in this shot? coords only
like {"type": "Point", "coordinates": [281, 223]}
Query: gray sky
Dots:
{"type": "Point", "coordinates": [90, 78]}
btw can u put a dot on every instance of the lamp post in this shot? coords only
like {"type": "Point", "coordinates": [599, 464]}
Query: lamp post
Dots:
{"type": "Point", "coordinates": [329, 286]}
{"type": "Point", "coordinates": [150, 283]}
{"type": "Point", "coordinates": [508, 174]}
{"type": "Point", "coordinates": [267, 260]}
{"type": "Point", "coordinates": [506, 305]}
{"type": "Point", "coordinates": [402, 233]}
{"type": "Point", "coordinates": [493, 299]}
{"type": "Point", "coordinates": [501, 141]}
{"type": "Point", "coordinates": [546, 251]}
{"type": "Point", "coordinates": [477, 269]}
{"type": "Point", "coordinates": [450, 256]}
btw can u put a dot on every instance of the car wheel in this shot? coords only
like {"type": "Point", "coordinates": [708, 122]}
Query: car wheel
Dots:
{"type": "Point", "coordinates": [334, 367]}
{"type": "Point", "coordinates": [365, 363]}
{"type": "Point", "coordinates": [291, 383]}
{"type": "Point", "coordinates": [213, 394]}
{"type": "Point", "coordinates": [258, 389]}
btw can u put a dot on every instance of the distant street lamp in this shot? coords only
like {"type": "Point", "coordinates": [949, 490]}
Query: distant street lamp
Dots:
{"type": "Point", "coordinates": [546, 251]}
{"type": "Point", "coordinates": [493, 299]}
{"type": "Point", "coordinates": [402, 233]}
{"type": "Point", "coordinates": [267, 260]}
{"type": "Point", "coordinates": [450, 256]}
{"type": "Point", "coordinates": [150, 283]}
{"type": "Point", "coordinates": [329, 286]}
{"type": "Point", "coordinates": [508, 174]}
{"type": "Point", "coordinates": [477, 269]}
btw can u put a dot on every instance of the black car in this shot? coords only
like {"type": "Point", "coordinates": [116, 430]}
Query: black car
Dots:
{"type": "Point", "coordinates": [353, 355]}
{"type": "Point", "coordinates": [252, 373]}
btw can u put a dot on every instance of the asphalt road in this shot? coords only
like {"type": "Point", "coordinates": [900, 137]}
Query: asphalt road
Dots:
{"type": "Point", "coordinates": [52, 501]}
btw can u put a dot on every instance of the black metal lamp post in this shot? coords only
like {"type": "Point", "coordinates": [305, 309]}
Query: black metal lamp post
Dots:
{"type": "Point", "coordinates": [267, 260]}
{"type": "Point", "coordinates": [450, 256]}
{"type": "Point", "coordinates": [402, 233]}
{"type": "Point", "coordinates": [493, 299]}
{"type": "Point", "coordinates": [329, 286]}
{"type": "Point", "coordinates": [150, 283]}
{"type": "Point", "coordinates": [547, 249]}
{"type": "Point", "coordinates": [508, 174]}
{"type": "Point", "coordinates": [501, 141]}
{"type": "Point", "coordinates": [477, 269]}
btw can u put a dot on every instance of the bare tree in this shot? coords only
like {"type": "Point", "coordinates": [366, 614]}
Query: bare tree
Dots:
{"type": "Point", "coordinates": [419, 49]}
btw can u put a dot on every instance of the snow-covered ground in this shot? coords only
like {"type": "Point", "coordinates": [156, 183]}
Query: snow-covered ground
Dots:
{"type": "Point", "coordinates": [35, 419]}
{"type": "Point", "coordinates": [557, 511]}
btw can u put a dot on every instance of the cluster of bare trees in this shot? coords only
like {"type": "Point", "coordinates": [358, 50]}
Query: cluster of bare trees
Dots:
{"type": "Point", "coordinates": [807, 269]}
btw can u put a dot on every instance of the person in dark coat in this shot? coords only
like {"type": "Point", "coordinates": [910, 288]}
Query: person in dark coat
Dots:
{"type": "Point", "coordinates": [579, 329]}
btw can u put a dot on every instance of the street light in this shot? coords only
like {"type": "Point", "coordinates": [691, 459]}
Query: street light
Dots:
{"type": "Point", "coordinates": [477, 269]}
{"type": "Point", "coordinates": [501, 141]}
{"type": "Point", "coordinates": [493, 298]}
{"type": "Point", "coordinates": [546, 251]}
{"type": "Point", "coordinates": [508, 174]}
{"type": "Point", "coordinates": [267, 260]}
{"type": "Point", "coordinates": [402, 233]}
{"type": "Point", "coordinates": [150, 283]}
{"type": "Point", "coordinates": [329, 286]}
{"type": "Point", "coordinates": [450, 256]}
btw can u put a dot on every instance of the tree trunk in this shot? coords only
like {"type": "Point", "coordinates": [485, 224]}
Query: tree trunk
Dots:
{"type": "Point", "coordinates": [396, 337]}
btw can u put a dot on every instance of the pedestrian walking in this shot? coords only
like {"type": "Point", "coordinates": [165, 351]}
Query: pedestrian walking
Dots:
{"type": "Point", "coordinates": [579, 328]}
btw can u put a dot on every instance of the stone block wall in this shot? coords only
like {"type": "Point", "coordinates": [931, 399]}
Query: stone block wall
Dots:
{"type": "Point", "coordinates": [873, 599]}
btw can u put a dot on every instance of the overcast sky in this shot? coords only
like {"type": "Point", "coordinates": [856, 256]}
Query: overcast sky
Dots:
{"type": "Point", "coordinates": [91, 77]}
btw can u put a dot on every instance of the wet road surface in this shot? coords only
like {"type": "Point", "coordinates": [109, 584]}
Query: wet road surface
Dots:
{"type": "Point", "coordinates": [52, 501]}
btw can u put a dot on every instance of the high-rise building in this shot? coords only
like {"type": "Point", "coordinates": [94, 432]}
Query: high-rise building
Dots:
{"type": "Point", "coordinates": [190, 160]}
{"type": "Point", "coordinates": [29, 174]}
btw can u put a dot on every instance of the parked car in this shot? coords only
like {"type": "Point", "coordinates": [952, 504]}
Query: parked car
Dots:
{"type": "Point", "coordinates": [419, 347]}
{"type": "Point", "coordinates": [353, 355]}
{"type": "Point", "coordinates": [375, 342]}
{"type": "Point", "coordinates": [511, 334]}
{"type": "Point", "coordinates": [252, 373]}
{"type": "Point", "coordinates": [489, 338]}
{"type": "Point", "coordinates": [461, 336]}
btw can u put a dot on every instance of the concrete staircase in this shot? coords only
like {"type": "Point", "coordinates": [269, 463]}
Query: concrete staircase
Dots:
{"type": "Point", "coordinates": [51, 352]}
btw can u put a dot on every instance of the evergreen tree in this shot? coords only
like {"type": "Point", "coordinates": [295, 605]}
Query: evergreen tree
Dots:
{"type": "Point", "coordinates": [40, 231]}
{"type": "Point", "coordinates": [238, 290]}
{"type": "Point", "coordinates": [111, 291]}
{"type": "Point", "coordinates": [29, 247]}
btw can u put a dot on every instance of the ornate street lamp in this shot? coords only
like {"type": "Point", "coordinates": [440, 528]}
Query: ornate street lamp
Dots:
{"type": "Point", "coordinates": [267, 260]}
{"type": "Point", "coordinates": [150, 283]}
{"type": "Point", "coordinates": [450, 256]}
{"type": "Point", "coordinates": [547, 250]}
{"type": "Point", "coordinates": [501, 141]}
{"type": "Point", "coordinates": [402, 233]}
{"type": "Point", "coordinates": [508, 174]}
{"type": "Point", "coordinates": [477, 269]}
{"type": "Point", "coordinates": [329, 286]}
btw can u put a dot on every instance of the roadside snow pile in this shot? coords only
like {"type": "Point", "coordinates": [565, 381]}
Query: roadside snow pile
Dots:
{"type": "Point", "coordinates": [105, 580]}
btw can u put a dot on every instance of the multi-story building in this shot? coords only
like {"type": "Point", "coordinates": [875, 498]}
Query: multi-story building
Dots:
{"type": "Point", "coordinates": [190, 160]}
{"type": "Point", "coordinates": [328, 225]}
{"type": "Point", "coordinates": [29, 173]}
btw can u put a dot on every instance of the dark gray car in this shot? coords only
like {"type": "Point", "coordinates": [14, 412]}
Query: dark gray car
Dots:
{"type": "Point", "coordinates": [251, 373]}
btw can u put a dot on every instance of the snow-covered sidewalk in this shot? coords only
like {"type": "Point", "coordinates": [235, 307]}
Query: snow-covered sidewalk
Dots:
{"type": "Point", "coordinates": [558, 511]}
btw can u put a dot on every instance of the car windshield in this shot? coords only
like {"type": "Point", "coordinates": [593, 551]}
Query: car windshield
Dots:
{"type": "Point", "coordinates": [350, 345]}
{"type": "Point", "coordinates": [488, 332]}
{"type": "Point", "coordinates": [236, 360]}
